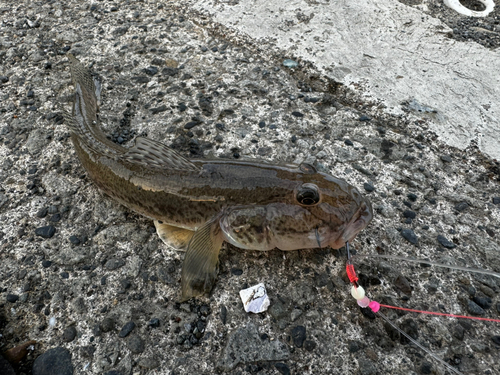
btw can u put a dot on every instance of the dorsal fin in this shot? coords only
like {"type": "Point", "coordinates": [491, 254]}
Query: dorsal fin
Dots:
{"type": "Point", "coordinates": [155, 154]}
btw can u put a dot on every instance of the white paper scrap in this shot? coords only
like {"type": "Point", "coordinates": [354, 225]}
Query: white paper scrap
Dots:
{"type": "Point", "coordinates": [255, 298]}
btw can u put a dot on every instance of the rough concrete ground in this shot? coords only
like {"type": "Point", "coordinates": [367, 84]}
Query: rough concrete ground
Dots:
{"type": "Point", "coordinates": [391, 53]}
{"type": "Point", "coordinates": [174, 76]}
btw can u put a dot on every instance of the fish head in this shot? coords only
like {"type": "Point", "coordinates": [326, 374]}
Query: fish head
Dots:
{"type": "Point", "coordinates": [339, 207]}
{"type": "Point", "coordinates": [320, 211]}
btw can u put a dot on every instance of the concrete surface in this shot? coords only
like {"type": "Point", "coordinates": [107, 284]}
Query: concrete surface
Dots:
{"type": "Point", "coordinates": [98, 291]}
{"type": "Point", "coordinates": [389, 52]}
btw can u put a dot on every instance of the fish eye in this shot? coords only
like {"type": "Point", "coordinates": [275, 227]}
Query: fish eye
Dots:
{"type": "Point", "coordinates": [308, 195]}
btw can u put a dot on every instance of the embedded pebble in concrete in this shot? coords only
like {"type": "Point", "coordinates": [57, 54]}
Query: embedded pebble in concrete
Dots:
{"type": "Point", "coordinates": [104, 266]}
{"type": "Point", "coordinates": [53, 361]}
{"type": "Point", "coordinates": [245, 345]}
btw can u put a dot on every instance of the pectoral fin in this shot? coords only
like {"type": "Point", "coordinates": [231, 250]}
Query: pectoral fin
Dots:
{"type": "Point", "coordinates": [174, 236]}
{"type": "Point", "coordinates": [201, 263]}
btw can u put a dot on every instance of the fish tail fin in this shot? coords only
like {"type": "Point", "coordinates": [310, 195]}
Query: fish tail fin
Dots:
{"type": "Point", "coordinates": [84, 120]}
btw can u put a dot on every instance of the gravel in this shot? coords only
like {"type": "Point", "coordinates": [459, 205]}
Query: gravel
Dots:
{"type": "Point", "coordinates": [108, 268]}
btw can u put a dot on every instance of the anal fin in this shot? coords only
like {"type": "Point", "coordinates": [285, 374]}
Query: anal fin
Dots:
{"type": "Point", "coordinates": [201, 263]}
{"type": "Point", "coordinates": [174, 236]}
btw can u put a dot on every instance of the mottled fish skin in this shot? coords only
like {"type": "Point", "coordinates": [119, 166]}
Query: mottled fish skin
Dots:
{"type": "Point", "coordinates": [251, 204]}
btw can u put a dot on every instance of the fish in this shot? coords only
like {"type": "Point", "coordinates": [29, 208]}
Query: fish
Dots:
{"type": "Point", "coordinates": [198, 204]}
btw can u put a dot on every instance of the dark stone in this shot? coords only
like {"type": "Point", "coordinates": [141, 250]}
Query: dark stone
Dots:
{"type": "Point", "coordinates": [412, 197]}
{"type": "Point", "coordinates": [69, 334]}
{"type": "Point", "coordinates": [74, 240]}
{"type": "Point", "coordinates": [462, 206]}
{"type": "Point", "coordinates": [55, 218]}
{"type": "Point", "coordinates": [368, 187]}
{"type": "Point", "coordinates": [297, 114]}
{"type": "Point", "coordinates": [6, 368]}
{"type": "Point", "coordinates": [496, 200]}
{"type": "Point", "coordinates": [348, 142]}
{"type": "Point", "coordinates": [262, 124]}
{"type": "Point", "coordinates": [151, 70]}
{"type": "Point", "coordinates": [445, 242]}
{"type": "Point", "coordinates": [409, 235]}
{"type": "Point", "coordinates": [53, 361]}
{"type": "Point", "coordinates": [46, 263]}
{"type": "Point", "coordinates": [236, 271]}
{"type": "Point", "coordinates": [402, 284]}
{"type": "Point", "coordinates": [364, 118]}
{"type": "Point", "coordinates": [191, 124]}
{"type": "Point", "coordinates": [12, 298]}
{"type": "Point", "coordinates": [299, 336]}
{"type": "Point", "coordinates": [446, 158]}
{"type": "Point", "coordinates": [45, 232]}
{"type": "Point", "coordinates": [496, 339]}
{"type": "Point", "coordinates": [182, 107]}
{"type": "Point", "coordinates": [282, 368]}
{"type": "Point", "coordinates": [353, 347]}
{"type": "Point", "coordinates": [159, 109]}
{"type": "Point", "coordinates": [474, 308]}
{"type": "Point", "coordinates": [141, 79]}
{"type": "Point", "coordinates": [483, 302]}
{"type": "Point", "coordinates": [154, 323]}
{"type": "Point", "coordinates": [4, 79]}
{"type": "Point", "coordinates": [114, 263]}
{"type": "Point", "coordinates": [170, 71]}
{"type": "Point", "coordinates": [135, 344]}
{"type": "Point", "coordinates": [223, 314]}
{"type": "Point", "coordinates": [42, 213]}
{"type": "Point", "coordinates": [410, 214]}
{"type": "Point", "coordinates": [426, 368]}
{"type": "Point", "coordinates": [64, 275]}
{"type": "Point", "coordinates": [108, 324]}
{"type": "Point", "coordinates": [126, 329]}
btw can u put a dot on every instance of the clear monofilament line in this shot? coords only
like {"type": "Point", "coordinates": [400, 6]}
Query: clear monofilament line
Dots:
{"type": "Point", "coordinates": [449, 367]}
{"type": "Point", "coordinates": [460, 268]}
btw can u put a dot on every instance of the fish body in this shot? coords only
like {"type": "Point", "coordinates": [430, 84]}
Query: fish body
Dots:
{"type": "Point", "coordinates": [199, 204]}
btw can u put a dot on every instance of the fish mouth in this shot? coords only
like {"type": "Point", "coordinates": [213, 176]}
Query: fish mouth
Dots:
{"type": "Point", "coordinates": [358, 222]}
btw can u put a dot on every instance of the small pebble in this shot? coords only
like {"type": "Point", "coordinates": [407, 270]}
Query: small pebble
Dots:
{"type": "Point", "coordinates": [46, 263]}
{"type": "Point", "coordinates": [74, 240]}
{"type": "Point", "coordinates": [12, 298]}
{"type": "Point", "coordinates": [369, 187]}
{"type": "Point", "coordinates": [348, 142]}
{"type": "Point", "coordinates": [474, 308]}
{"type": "Point", "coordinates": [56, 360]}
{"type": "Point", "coordinates": [282, 368]}
{"type": "Point", "coordinates": [409, 235]}
{"type": "Point", "coordinates": [364, 118]}
{"type": "Point", "coordinates": [69, 334]}
{"type": "Point", "coordinates": [45, 232]}
{"type": "Point", "coordinates": [236, 271]}
{"type": "Point", "coordinates": [496, 200]}
{"type": "Point", "coordinates": [154, 323]}
{"type": "Point", "coordinates": [445, 242]}
{"type": "Point", "coordinates": [299, 336]}
{"type": "Point", "coordinates": [114, 263]}
{"type": "Point", "coordinates": [297, 114]}
{"type": "Point", "coordinates": [126, 329]}
{"type": "Point", "coordinates": [108, 324]}
{"type": "Point", "coordinates": [446, 158]}
{"type": "Point", "coordinates": [410, 214]}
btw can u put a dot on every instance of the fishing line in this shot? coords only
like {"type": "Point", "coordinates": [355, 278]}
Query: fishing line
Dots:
{"type": "Point", "coordinates": [459, 268]}
{"type": "Point", "coordinates": [359, 294]}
